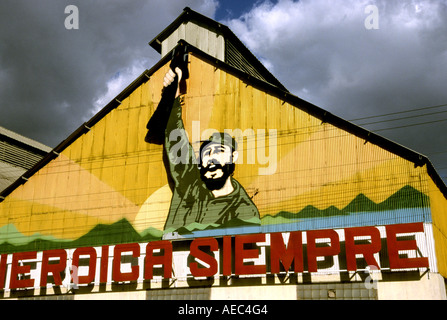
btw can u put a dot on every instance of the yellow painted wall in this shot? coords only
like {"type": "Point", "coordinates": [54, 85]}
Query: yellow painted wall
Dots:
{"type": "Point", "coordinates": [110, 173]}
{"type": "Point", "coordinates": [104, 176]}
{"type": "Point", "coordinates": [439, 217]}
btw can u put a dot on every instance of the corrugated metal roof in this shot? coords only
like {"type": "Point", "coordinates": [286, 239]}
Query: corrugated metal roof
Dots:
{"type": "Point", "coordinates": [17, 155]}
{"type": "Point", "coordinates": [9, 174]}
{"type": "Point", "coordinates": [24, 141]}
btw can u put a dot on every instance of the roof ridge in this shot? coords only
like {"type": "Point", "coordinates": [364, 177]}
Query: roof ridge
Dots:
{"type": "Point", "coordinates": [249, 59]}
{"type": "Point", "coordinates": [23, 140]}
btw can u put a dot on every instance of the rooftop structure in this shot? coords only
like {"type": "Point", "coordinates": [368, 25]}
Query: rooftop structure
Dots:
{"type": "Point", "coordinates": [18, 154]}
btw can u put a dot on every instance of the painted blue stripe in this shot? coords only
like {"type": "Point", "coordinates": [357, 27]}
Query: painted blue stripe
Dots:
{"type": "Point", "coordinates": [359, 219]}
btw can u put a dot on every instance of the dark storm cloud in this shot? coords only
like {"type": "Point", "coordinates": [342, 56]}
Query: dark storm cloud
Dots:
{"type": "Point", "coordinates": [52, 78]}
{"type": "Point", "coordinates": [322, 52]}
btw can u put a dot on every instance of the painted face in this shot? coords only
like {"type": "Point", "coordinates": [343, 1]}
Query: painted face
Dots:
{"type": "Point", "coordinates": [214, 157]}
{"type": "Point", "coordinates": [217, 165]}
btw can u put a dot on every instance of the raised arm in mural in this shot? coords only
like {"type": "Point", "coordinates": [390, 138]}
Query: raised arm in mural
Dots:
{"type": "Point", "coordinates": [205, 192]}
{"type": "Point", "coordinates": [157, 124]}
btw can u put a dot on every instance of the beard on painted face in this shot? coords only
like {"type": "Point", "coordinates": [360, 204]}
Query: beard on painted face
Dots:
{"type": "Point", "coordinates": [213, 179]}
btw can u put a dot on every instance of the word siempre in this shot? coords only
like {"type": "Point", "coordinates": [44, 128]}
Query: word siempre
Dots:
{"type": "Point", "coordinates": [246, 254]}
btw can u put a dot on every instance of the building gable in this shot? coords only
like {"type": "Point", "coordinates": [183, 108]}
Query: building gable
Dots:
{"type": "Point", "coordinates": [302, 173]}
{"type": "Point", "coordinates": [291, 163]}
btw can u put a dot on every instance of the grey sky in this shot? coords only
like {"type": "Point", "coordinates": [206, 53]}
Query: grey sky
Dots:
{"type": "Point", "coordinates": [53, 79]}
{"type": "Point", "coordinates": [322, 52]}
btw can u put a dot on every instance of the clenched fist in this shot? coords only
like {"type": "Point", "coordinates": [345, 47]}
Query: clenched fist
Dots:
{"type": "Point", "coordinates": [170, 77]}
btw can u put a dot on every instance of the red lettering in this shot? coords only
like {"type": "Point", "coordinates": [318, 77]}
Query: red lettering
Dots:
{"type": "Point", "coordinates": [313, 251]}
{"type": "Point", "coordinates": [197, 253]}
{"type": "Point", "coordinates": [367, 250]}
{"type": "Point", "coordinates": [17, 269]}
{"type": "Point", "coordinates": [91, 252]}
{"type": "Point", "coordinates": [165, 259]}
{"type": "Point", "coordinates": [117, 275]}
{"type": "Point", "coordinates": [3, 270]}
{"type": "Point", "coordinates": [104, 264]}
{"type": "Point", "coordinates": [226, 263]}
{"type": "Point", "coordinates": [293, 253]}
{"type": "Point", "coordinates": [241, 253]}
{"type": "Point", "coordinates": [54, 268]}
{"type": "Point", "coordinates": [394, 246]}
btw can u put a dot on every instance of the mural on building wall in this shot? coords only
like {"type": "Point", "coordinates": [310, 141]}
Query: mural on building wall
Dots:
{"type": "Point", "coordinates": [204, 191]}
{"type": "Point", "coordinates": [236, 160]}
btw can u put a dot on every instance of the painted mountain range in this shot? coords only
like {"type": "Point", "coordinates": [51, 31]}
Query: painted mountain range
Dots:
{"type": "Point", "coordinates": [122, 231]}
{"type": "Point", "coordinates": [405, 198]}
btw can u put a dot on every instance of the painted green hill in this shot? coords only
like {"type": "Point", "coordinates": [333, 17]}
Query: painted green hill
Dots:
{"type": "Point", "coordinates": [35, 245]}
{"type": "Point", "coordinates": [11, 240]}
{"type": "Point", "coordinates": [306, 213]}
{"type": "Point", "coordinates": [102, 234]}
{"type": "Point", "coordinates": [121, 231]}
{"type": "Point", "coordinates": [236, 222]}
{"type": "Point", "coordinates": [361, 203]}
{"type": "Point", "coordinates": [312, 212]}
{"type": "Point", "coordinates": [407, 197]}
{"type": "Point", "coordinates": [10, 234]}
{"type": "Point", "coordinates": [151, 234]}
